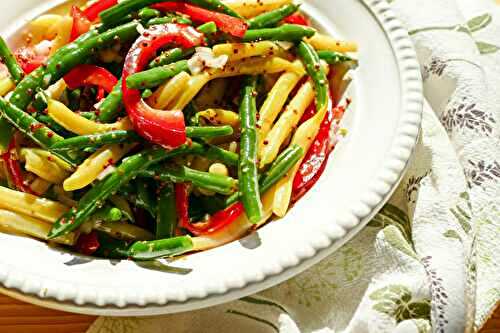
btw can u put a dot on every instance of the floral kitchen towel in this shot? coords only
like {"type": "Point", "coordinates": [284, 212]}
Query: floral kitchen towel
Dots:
{"type": "Point", "coordinates": [429, 261]}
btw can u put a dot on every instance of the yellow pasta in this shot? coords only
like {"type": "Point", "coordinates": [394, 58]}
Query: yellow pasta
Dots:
{"type": "Point", "coordinates": [93, 166]}
{"type": "Point", "coordinates": [43, 167]}
{"type": "Point", "coordinates": [304, 136]}
{"type": "Point", "coordinates": [32, 227]}
{"type": "Point", "coordinates": [80, 125]}
{"type": "Point", "coordinates": [63, 34]}
{"type": "Point", "coordinates": [255, 66]}
{"type": "Point", "coordinates": [238, 51]}
{"type": "Point", "coordinates": [237, 229]}
{"type": "Point", "coordinates": [28, 204]}
{"type": "Point", "coordinates": [275, 101]}
{"type": "Point", "coordinates": [63, 196]}
{"type": "Point", "coordinates": [286, 123]}
{"type": "Point", "coordinates": [40, 186]}
{"type": "Point", "coordinates": [251, 8]}
{"type": "Point", "coordinates": [324, 42]}
{"type": "Point", "coordinates": [221, 117]}
{"type": "Point", "coordinates": [212, 94]}
{"type": "Point", "coordinates": [6, 85]}
{"type": "Point", "coordinates": [44, 27]}
{"type": "Point", "coordinates": [169, 91]}
{"type": "Point", "coordinates": [56, 90]}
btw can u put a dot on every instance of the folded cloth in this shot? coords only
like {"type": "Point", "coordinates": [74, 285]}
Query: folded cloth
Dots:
{"type": "Point", "coordinates": [429, 261]}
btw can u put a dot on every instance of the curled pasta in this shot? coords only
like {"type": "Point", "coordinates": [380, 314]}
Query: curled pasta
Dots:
{"type": "Point", "coordinates": [169, 91]}
{"type": "Point", "coordinates": [44, 165]}
{"type": "Point", "coordinates": [92, 167]}
{"type": "Point", "coordinates": [251, 8]}
{"type": "Point", "coordinates": [238, 51]}
{"type": "Point", "coordinates": [324, 42]}
{"type": "Point", "coordinates": [80, 125]}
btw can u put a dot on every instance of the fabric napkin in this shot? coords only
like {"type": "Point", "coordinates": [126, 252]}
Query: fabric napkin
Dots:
{"type": "Point", "coordinates": [429, 261]}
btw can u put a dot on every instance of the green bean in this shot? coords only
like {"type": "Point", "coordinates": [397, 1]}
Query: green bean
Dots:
{"type": "Point", "coordinates": [170, 56]}
{"type": "Point", "coordinates": [166, 219]}
{"type": "Point", "coordinates": [102, 190]}
{"type": "Point", "coordinates": [74, 97]}
{"type": "Point", "coordinates": [148, 13]}
{"type": "Point", "coordinates": [313, 67]}
{"type": "Point", "coordinates": [34, 129]}
{"type": "Point", "coordinates": [112, 104]}
{"type": "Point", "coordinates": [148, 250]}
{"type": "Point", "coordinates": [113, 15]}
{"type": "Point", "coordinates": [218, 154]}
{"type": "Point", "coordinates": [208, 181]}
{"type": "Point", "coordinates": [208, 131]}
{"type": "Point", "coordinates": [272, 18]}
{"type": "Point", "coordinates": [216, 5]}
{"type": "Point", "coordinates": [51, 123]}
{"type": "Point", "coordinates": [16, 72]}
{"type": "Point", "coordinates": [156, 76]}
{"type": "Point", "coordinates": [286, 32]}
{"type": "Point", "coordinates": [40, 102]}
{"type": "Point", "coordinates": [283, 163]}
{"type": "Point", "coordinates": [169, 19]}
{"type": "Point", "coordinates": [6, 132]}
{"type": "Point", "coordinates": [333, 58]}
{"type": "Point", "coordinates": [88, 115]}
{"type": "Point", "coordinates": [67, 58]}
{"type": "Point", "coordinates": [208, 28]}
{"type": "Point", "coordinates": [95, 140]}
{"type": "Point", "coordinates": [247, 171]}
{"type": "Point", "coordinates": [146, 93]}
{"type": "Point", "coordinates": [145, 198]}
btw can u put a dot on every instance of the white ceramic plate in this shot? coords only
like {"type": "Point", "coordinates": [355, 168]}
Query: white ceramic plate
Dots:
{"type": "Point", "coordinates": [383, 126]}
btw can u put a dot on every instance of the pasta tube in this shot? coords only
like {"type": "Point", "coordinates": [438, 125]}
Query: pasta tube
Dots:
{"type": "Point", "coordinates": [92, 167]}
{"type": "Point", "coordinates": [63, 34]}
{"type": "Point", "coordinates": [31, 205]}
{"type": "Point", "coordinates": [323, 42]}
{"type": "Point", "coordinates": [304, 136]}
{"type": "Point", "coordinates": [6, 85]}
{"type": "Point", "coordinates": [252, 67]}
{"type": "Point", "coordinates": [40, 186]}
{"type": "Point", "coordinates": [251, 8]}
{"type": "Point", "coordinates": [44, 165]}
{"type": "Point", "coordinates": [32, 227]}
{"type": "Point", "coordinates": [286, 123]}
{"type": "Point", "coordinates": [169, 91]}
{"type": "Point", "coordinates": [80, 125]}
{"type": "Point", "coordinates": [275, 101]}
{"type": "Point", "coordinates": [220, 117]}
{"type": "Point", "coordinates": [238, 51]}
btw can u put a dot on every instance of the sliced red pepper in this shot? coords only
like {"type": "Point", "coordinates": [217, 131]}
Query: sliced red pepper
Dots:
{"type": "Point", "coordinates": [182, 204]}
{"type": "Point", "coordinates": [228, 24]}
{"type": "Point", "coordinates": [14, 169]}
{"type": "Point", "coordinates": [90, 75]}
{"type": "Point", "coordinates": [297, 18]}
{"type": "Point", "coordinates": [215, 223]}
{"type": "Point", "coordinates": [28, 60]}
{"type": "Point", "coordinates": [314, 163]}
{"type": "Point", "coordinates": [88, 244]}
{"type": "Point", "coordinates": [81, 24]}
{"type": "Point", "coordinates": [92, 12]}
{"type": "Point", "coordinates": [165, 128]}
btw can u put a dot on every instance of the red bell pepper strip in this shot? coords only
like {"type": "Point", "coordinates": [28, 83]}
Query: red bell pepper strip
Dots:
{"type": "Point", "coordinates": [182, 204]}
{"type": "Point", "coordinates": [228, 24]}
{"type": "Point", "coordinates": [14, 169]}
{"type": "Point", "coordinates": [165, 128]}
{"type": "Point", "coordinates": [215, 223]}
{"type": "Point", "coordinates": [88, 244]}
{"type": "Point", "coordinates": [92, 12]}
{"type": "Point", "coordinates": [314, 163]}
{"type": "Point", "coordinates": [85, 75]}
{"type": "Point", "coordinates": [297, 18]}
{"type": "Point", "coordinates": [81, 24]}
{"type": "Point", "coordinates": [28, 60]}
